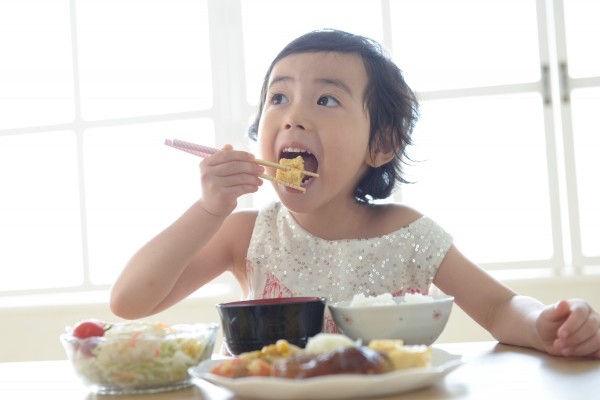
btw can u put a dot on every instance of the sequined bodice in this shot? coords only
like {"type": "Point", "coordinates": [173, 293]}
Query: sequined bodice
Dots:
{"type": "Point", "coordinates": [285, 260]}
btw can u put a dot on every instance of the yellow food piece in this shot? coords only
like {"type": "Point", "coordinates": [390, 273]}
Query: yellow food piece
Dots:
{"type": "Point", "coordinates": [280, 349]}
{"type": "Point", "coordinates": [403, 356]}
{"type": "Point", "coordinates": [294, 175]}
{"type": "Point", "coordinates": [192, 347]}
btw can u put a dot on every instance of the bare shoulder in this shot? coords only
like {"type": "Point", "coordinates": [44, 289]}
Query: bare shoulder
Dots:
{"type": "Point", "coordinates": [394, 216]}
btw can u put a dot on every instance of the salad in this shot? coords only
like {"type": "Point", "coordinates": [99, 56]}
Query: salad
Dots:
{"type": "Point", "coordinates": [136, 355]}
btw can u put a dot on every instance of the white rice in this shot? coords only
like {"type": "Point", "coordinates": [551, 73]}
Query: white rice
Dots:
{"type": "Point", "coordinates": [385, 299]}
{"type": "Point", "coordinates": [327, 342]}
{"type": "Point", "coordinates": [360, 300]}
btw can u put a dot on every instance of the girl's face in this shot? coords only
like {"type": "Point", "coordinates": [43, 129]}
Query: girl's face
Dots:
{"type": "Point", "coordinates": [315, 108]}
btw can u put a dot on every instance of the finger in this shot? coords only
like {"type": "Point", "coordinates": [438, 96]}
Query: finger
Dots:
{"type": "Point", "coordinates": [587, 348]}
{"type": "Point", "coordinates": [589, 329]}
{"type": "Point", "coordinates": [240, 180]}
{"type": "Point", "coordinates": [230, 155]}
{"type": "Point", "coordinates": [218, 182]}
{"type": "Point", "coordinates": [550, 320]}
{"type": "Point", "coordinates": [560, 311]}
{"type": "Point", "coordinates": [230, 173]}
{"type": "Point", "coordinates": [223, 200]}
{"type": "Point", "coordinates": [578, 315]}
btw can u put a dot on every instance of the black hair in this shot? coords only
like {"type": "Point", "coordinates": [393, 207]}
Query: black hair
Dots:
{"type": "Point", "coordinates": [392, 106]}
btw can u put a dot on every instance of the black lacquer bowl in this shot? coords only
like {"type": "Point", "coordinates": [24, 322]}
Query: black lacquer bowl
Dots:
{"type": "Point", "coordinates": [249, 325]}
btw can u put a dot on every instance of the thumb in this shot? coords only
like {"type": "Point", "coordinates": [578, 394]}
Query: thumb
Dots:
{"type": "Point", "coordinates": [556, 312]}
{"type": "Point", "coordinates": [550, 319]}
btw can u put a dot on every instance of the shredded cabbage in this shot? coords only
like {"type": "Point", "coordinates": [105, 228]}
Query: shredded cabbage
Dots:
{"type": "Point", "coordinates": [143, 355]}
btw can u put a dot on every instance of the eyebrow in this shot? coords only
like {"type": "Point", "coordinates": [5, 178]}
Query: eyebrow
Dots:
{"type": "Point", "coordinates": [322, 81]}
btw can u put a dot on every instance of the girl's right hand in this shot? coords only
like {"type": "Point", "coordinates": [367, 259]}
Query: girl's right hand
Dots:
{"type": "Point", "coordinates": [225, 176]}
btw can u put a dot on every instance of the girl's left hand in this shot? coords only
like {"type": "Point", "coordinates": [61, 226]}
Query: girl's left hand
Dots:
{"type": "Point", "coordinates": [570, 328]}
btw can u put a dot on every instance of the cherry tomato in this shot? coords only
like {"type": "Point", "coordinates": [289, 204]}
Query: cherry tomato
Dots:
{"type": "Point", "coordinates": [88, 329]}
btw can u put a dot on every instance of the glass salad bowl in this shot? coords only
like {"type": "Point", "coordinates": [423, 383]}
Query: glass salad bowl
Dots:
{"type": "Point", "coordinates": [137, 357]}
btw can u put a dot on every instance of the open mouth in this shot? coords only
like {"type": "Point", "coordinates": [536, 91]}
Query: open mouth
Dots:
{"type": "Point", "coordinates": [311, 163]}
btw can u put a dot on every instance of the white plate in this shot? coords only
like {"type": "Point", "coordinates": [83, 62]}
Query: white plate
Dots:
{"type": "Point", "coordinates": [333, 386]}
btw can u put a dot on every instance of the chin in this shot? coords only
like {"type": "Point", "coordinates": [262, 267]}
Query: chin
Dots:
{"type": "Point", "coordinates": [296, 202]}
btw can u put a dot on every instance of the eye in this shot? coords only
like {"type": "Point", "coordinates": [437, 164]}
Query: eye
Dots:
{"type": "Point", "coordinates": [327, 101]}
{"type": "Point", "coordinates": [278, 98]}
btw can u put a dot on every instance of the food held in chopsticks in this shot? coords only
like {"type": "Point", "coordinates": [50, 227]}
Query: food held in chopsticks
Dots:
{"type": "Point", "coordinates": [325, 354]}
{"type": "Point", "coordinates": [294, 174]}
{"type": "Point", "coordinates": [292, 177]}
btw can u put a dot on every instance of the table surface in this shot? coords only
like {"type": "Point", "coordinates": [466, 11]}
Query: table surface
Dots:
{"type": "Point", "coordinates": [490, 371]}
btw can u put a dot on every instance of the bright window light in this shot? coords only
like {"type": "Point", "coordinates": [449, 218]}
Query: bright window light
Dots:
{"type": "Point", "coordinates": [136, 57]}
{"type": "Point", "coordinates": [40, 214]}
{"type": "Point", "coordinates": [465, 43]}
{"type": "Point", "coordinates": [484, 178]}
{"type": "Point", "coordinates": [36, 68]}
{"type": "Point", "coordinates": [586, 121]}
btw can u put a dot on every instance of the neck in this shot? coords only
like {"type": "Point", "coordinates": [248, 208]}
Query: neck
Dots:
{"type": "Point", "coordinates": [335, 223]}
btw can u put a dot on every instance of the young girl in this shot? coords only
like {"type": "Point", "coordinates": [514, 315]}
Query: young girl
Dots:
{"type": "Point", "coordinates": [337, 100]}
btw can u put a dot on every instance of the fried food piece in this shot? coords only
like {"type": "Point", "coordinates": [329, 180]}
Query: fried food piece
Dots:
{"type": "Point", "coordinates": [280, 349]}
{"type": "Point", "coordinates": [238, 368]}
{"type": "Point", "coordinates": [293, 175]}
{"type": "Point", "coordinates": [402, 356]}
{"type": "Point", "coordinates": [255, 363]}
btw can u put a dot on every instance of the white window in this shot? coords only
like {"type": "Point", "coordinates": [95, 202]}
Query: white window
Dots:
{"type": "Point", "coordinates": [482, 168]}
{"type": "Point", "coordinates": [89, 90]}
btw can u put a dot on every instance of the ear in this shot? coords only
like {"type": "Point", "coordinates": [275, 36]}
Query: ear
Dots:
{"type": "Point", "coordinates": [379, 156]}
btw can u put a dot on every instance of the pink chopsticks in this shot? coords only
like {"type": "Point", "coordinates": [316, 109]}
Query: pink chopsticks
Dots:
{"type": "Point", "coordinates": [205, 151]}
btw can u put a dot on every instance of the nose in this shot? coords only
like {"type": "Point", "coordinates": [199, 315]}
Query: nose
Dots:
{"type": "Point", "coordinates": [297, 118]}
{"type": "Point", "coordinates": [290, 125]}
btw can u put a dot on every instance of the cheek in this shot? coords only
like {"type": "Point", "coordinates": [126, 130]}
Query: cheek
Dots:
{"type": "Point", "coordinates": [267, 129]}
{"type": "Point", "coordinates": [349, 154]}
{"type": "Point", "coordinates": [264, 139]}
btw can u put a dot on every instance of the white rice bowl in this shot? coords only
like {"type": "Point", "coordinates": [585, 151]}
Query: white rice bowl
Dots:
{"type": "Point", "coordinates": [414, 318]}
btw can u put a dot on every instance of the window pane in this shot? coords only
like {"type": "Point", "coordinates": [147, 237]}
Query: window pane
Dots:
{"type": "Point", "coordinates": [583, 37]}
{"type": "Point", "coordinates": [268, 25]}
{"type": "Point", "coordinates": [40, 225]}
{"type": "Point", "coordinates": [587, 142]}
{"type": "Point", "coordinates": [139, 57]}
{"type": "Point", "coordinates": [482, 175]}
{"type": "Point", "coordinates": [36, 82]}
{"type": "Point", "coordinates": [465, 43]}
{"type": "Point", "coordinates": [136, 186]}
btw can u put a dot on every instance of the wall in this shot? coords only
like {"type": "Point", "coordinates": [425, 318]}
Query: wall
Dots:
{"type": "Point", "coordinates": [31, 332]}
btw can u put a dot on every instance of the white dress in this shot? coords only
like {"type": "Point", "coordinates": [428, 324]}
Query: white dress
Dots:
{"type": "Point", "coordinates": [285, 260]}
